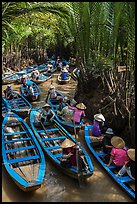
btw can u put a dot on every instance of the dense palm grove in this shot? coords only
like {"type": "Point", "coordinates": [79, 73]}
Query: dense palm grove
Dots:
{"type": "Point", "coordinates": [100, 35]}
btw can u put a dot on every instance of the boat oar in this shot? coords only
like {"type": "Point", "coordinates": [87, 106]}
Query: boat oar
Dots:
{"type": "Point", "coordinates": [79, 169]}
{"type": "Point", "coordinates": [47, 97]}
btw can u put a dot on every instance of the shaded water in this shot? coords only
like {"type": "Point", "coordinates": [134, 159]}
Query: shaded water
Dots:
{"type": "Point", "coordinates": [57, 187]}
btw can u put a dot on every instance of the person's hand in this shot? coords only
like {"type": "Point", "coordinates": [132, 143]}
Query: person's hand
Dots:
{"type": "Point", "coordinates": [107, 164]}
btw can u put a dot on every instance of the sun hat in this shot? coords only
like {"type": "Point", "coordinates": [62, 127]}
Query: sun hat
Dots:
{"type": "Point", "coordinates": [64, 70]}
{"type": "Point", "coordinates": [24, 76]}
{"type": "Point", "coordinates": [65, 99]}
{"type": "Point", "coordinates": [67, 65]}
{"type": "Point", "coordinates": [117, 142]}
{"type": "Point", "coordinates": [67, 143]}
{"type": "Point", "coordinates": [9, 86]}
{"type": "Point", "coordinates": [52, 87]}
{"type": "Point", "coordinates": [73, 101]}
{"type": "Point", "coordinates": [46, 105]}
{"type": "Point", "coordinates": [81, 106]}
{"type": "Point", "coordinates": [109, 131]}
{"type": "Point", "coordinates": [99, 117]}
{"type": "Point", "coordinates": [131, 154]}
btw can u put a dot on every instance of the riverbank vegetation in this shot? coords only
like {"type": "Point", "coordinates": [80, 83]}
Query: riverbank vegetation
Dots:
{"type": "Point", "coordinates": [100, 35]}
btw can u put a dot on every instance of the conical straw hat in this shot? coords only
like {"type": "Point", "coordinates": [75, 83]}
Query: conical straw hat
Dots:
{"type": "Point", "coordinates": [67, 143]}
{"type": "Point", "coordinates": [46, 105]}
{"type": "Point", "coordinates": [131, 154]}
{"type": "Point", "coordinates": [81, 106]}
{"type": "Point", "coordinates": [117, 142]}
{"type": "Point", "coordinates": [99, 117]}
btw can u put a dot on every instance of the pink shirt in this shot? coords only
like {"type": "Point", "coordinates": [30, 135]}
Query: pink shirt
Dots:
{"type": "Point", "coordinates": [120, 156]}
{"type": "Point", "coordinates": [77, 113]}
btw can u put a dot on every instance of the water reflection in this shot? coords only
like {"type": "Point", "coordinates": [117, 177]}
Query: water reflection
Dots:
{"type": "Point", "coordinates": [58, 187]}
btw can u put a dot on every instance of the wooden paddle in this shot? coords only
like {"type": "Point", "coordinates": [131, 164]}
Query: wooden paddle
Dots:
{"type": "Point", "coordinates": [79, 169]}
{"type": "Point", "coordinates": [47, 97]}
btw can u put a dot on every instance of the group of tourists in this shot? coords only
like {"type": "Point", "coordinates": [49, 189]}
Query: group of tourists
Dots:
{"type": "Point", "coordinates": [116, 152]}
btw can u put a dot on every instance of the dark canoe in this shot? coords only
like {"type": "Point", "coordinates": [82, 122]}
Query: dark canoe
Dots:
{"type": "Point", "coordinates": [60, 81]}
{"type": "Point", "coordinates": [69, 126]}
{"type": "Point", "coordinates": [125, 181]}
{"type": "Point", "coordinates": [22, 155]}
{"type": "Point", "coordinates": [41, 79]}
{"type": "Point", "coordinates": [37, 91]}
{"type": "Point", "coordinates": [5, 105]}
{"type": "Point", "coordinates": [19, 105]}
{"type": "Point", "coordinates": [50, 138]}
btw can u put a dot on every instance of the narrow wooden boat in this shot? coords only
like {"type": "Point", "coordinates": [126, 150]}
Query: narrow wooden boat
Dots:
{"type": "Point", "coordinates": [75, 74]}
{"type": "Point", "coordinates": [42, 68]}
{"type": "Point", "coordinates": [19, 105]}
{"type": "Point", "coordinates": [37, 91]}
{"type": "Point", "coordinates": [5, 105]}
{"type": "Point", "coordinates": [22, 155]}
{"type": "Point", "coordinates": [54, 103]}
{"type": "Point", "coordinates": [51, 137]}
{"type": "Point", "coordinates": [10, 79]}
{"type": "Point", "coordinates": [125, 181]}
{"type": "Point", "coordinates": [41, 79]}
{"type": "Point", "coordinates": [60, 81]}
{"type": "Point", "coordinates": [7, 74]}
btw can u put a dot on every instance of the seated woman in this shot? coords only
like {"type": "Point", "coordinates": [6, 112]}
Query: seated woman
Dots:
{"type": "Point", "coordinates": [118, 154]}
{"type": "Point", "coordinates": [52, 92]}
{"type": "Point", "coordinates": [66, 114]}
{"type": "Point", "coordinates": [8, 93]}
{"type": "Point", "coordinates": [106, 142]}
{"type": "Point", "coordinates": [129, 167]}
{"type": "Point", "coordinates": [24, 80]}
{"type": "Point", "coordinates": [69, 154]}
{"type": "Point", "coordinates": [64, 74]}
{"type": "Point", "coordinates": [96, 129]}
{"type": "Point", "coordinates": [47, 114]}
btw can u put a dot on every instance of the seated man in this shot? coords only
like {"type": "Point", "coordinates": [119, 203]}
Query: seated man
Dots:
{"type": "Point", "coordinates": [47, 114]}
{"type": "Point", "coordinates": [29, 91]}
{"type": "Point", "coordinates": [8, 93]}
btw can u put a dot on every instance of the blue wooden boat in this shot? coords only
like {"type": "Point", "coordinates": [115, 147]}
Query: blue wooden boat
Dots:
{"type": "Point", "coordinates": [41, 79]}
{"type": "Point", "coordinates": [125, 181]}
{"type": "Point", "coordinates": [10, 79]}
{"type": "Point", "coordinates": [37, 91]}
{"type": "Point", "coordinates": [51, 137]}
{"type": "Point", "coordinates": [42, 68]}
{"type": "Point", "coordinates": [54, 103]}
{"type": "Point", "coordinates": [22, 155]}
{"type": "Point", "coordinates": [19, 105]}
{"type": "Point", "coordinates": [7, 74]}
{"type": "Point", "coordinates": [5, 105]}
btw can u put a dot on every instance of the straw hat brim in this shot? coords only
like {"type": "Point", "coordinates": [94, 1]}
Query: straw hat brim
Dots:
{"type": "Point", "coordinates": [131, 154]}
{"type": "Point", "coordinates": [99, 117]}
{"type": "Point", "coordinates": [81, 106]}
{"type": "Point", "coordinates": [117, 142]}
{"type": "Point", "coordinates": [46, 105]}
{"type": "Point", "coordinates": [67, 143]}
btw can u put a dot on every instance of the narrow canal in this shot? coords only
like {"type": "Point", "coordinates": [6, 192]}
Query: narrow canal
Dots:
{"type": "Point", "coordinates": [57, 187]}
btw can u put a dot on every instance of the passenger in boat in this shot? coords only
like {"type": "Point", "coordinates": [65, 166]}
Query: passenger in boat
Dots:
{"type": "Point", "coordinates": [24, 80]}
{"type": "Point", "coordinates": [47, 114]}
{"type": "Point", "coordinates": [118, 154]}
{"type": "Point", "coordinates": [67, 67]}
{"type": "Point", "coordinates": [66, 114]}
{"type": "Point", "coordinates": [106, 142]}
{"type": "Point", "coordinates": [52, 92]}
{"type": "Point", "coordinates": [129, 167]}
{"type": "Point", "coordinates": [59, 65]}
{"type": "Point", "coordinates": [35, 74]}
{"type": "Point", "coordinates": [69, 154]}
{"type": "Point", "coordinates": [61, 106]}
{"type": "Point", "coordinates": [9, 93]}
{"type": "Point", "coordinates": [79, 112]}
{"type": "Point", "coordinates": [49, 67]}
{"type": "Point", "coordinates": [64, 74]}
{"type": "Point", "coordinates": [98, 122]}
{"type": "Point", "coordinates": [29, 91]}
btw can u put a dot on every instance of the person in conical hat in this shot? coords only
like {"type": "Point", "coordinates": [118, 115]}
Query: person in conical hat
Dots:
{"type": "Point", "coordinates": [52, 92]}
{"type": "Point", "coordinates": [67, 143]}
{"type": "Point", "coordinates": [118, 154]}
{"type": "Point", "coordinates": [128, 167]}
{"type": "Point", "coordinates": [79, 112]}
{"type": "Point", "coordinates": [99, 125]}
{"type": "Point", "coordinates": [47, 115]}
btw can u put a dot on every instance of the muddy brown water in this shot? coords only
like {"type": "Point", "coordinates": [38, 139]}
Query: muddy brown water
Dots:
{"type": "Point", "coordinates": [58, 187]}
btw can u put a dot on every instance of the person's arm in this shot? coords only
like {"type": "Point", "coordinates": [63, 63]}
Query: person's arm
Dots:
{"type": "Point", "coordinates": [110, 160]}
{"type": "Point", "coordinates": [52, 116]}
{"type": "Point", "coordinates": [71, 108]}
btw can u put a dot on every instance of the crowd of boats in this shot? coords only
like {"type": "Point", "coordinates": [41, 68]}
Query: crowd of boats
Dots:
{"type": "Point", "coordinates": [25, 146]}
